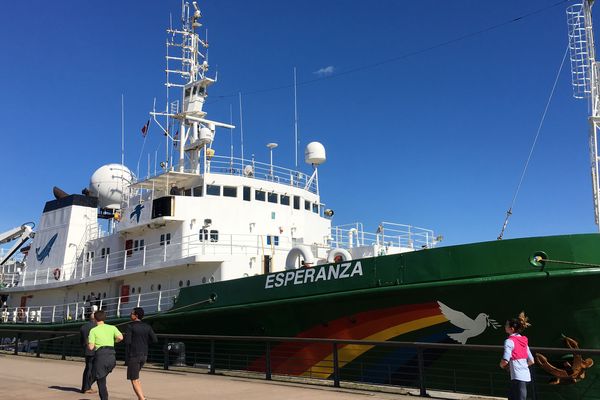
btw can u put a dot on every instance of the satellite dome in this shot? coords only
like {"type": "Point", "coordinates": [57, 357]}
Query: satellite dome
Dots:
{"type": "Point", "coordinates": [108, 183]}
{"type": "Point", "coordinates": [314, 153]}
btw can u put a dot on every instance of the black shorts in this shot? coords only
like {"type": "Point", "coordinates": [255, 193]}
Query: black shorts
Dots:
{"type": "Point", "coordinates": [134, 365]}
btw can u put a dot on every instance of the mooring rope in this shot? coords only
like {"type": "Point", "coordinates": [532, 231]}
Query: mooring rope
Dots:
{"type": "Point", "coordinates": [509, 211]}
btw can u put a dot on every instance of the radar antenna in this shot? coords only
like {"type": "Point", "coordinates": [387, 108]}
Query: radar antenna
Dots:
{"type": "Point", "coordinates": [584, 78]}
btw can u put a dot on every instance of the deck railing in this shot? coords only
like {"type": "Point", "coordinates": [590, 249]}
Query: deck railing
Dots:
{"type": "Point", "coordinates": [115, 307]}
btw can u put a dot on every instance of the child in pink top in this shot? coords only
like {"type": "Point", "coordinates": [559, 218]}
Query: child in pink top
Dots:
{"type": "Point", "coordinates": [517, 357]}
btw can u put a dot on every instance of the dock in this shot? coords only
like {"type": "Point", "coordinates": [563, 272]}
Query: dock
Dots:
{"type": "Point", "coordinates": [25, 377]}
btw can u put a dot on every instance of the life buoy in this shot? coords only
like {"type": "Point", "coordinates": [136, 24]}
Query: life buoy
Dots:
{"type": "Point", "coordinates": [56, 273]}
{"type": "Point", "coordinates": [297, 252]}
{"type": "Point", "coordinates": [338, 255]}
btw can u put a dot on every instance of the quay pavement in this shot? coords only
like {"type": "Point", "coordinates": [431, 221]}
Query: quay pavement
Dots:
{"type": "Point", "coordinates": [24, 377]}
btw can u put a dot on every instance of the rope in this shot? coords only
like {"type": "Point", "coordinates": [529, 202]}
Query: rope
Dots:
{"type": "Point", "coordinates": [567, 262]}
{"type": "Point", "coordinates": [509, 211]}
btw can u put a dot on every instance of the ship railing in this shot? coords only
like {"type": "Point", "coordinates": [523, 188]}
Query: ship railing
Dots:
{"type": "Point", "coordinates": [386, 234]}
{"type": "Point", "coordinates": [258, 170]}
{"type": "Point", "coordinates": [207, 243]}
{"type": "Point", "coordinates": [115, 307]}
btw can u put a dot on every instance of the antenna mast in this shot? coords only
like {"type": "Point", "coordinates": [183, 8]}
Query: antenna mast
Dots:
{"type": "Point", "coordinates": [584, 77]}
{"type": "Point", "coordinates": [196, 133]}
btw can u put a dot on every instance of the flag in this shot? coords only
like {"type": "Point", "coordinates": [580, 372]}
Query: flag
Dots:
{"type": "Point", "coordinates": [145, 129]}
{"type": "Point", "coordinates": [176, 139]}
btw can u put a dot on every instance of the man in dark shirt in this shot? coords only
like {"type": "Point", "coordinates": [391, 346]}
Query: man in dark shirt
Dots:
{"type": "Point", "coordinates": [88, 379]}
{"type": "Point", "coordinates": [137, 336]}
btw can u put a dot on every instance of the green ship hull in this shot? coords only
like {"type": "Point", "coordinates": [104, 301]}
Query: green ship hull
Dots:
{"type": "Point", "coordinates": [415, 296]}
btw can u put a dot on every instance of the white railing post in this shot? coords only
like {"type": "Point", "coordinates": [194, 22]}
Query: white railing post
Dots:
{"type": "Point", "coordinates": [76, 311]}
{"type": "Point", "coordinates": [119, 307]}
{"type": "Point", "coordinates": [27, 315]}
{"type": "Point", "coordinates": [139, 299]}
{"type": "Point", "coordinates": [125, 260]}
{"type": "Point", "coordinates": [24, 275]}
{"type": "Point", "coordinates": [40, 314]}
{"type": "Point", "coordinates": [68, 313]}
{"type": "Point", "coordinates": [144, 257]}
{"type": "Point", "coordinates": [35, 277]}
{"type": "Point", "coordinates": [91, 266]}
{"type": "Point", "coordinates": [106, 264]}
{"type": "Point", "coordinates": [100, 305]}
{"type": "Point", "coordinates": [47, 275]}
{"type": "Point", "coordinates": [53, 313]}
{"type": "Point", "coordinates": [165, 252]}
{"type": "Point", "coordinates": [159, 300]}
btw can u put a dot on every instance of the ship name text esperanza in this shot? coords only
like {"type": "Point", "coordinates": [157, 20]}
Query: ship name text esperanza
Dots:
{"type": "Point", "coordinates": [305, 275]}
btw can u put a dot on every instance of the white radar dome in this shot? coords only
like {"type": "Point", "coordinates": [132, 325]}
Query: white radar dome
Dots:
{"type": "Point", "coordinates": [108, 183]}
{"type": "Point", "coordinates": [314, 153]}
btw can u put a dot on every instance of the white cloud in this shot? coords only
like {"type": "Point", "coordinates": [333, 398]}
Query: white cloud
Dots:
{"type": "Point", "coordinates": [325, 71]}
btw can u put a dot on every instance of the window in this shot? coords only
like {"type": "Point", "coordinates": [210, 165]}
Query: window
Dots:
{"type": "Point", "coordinates": [259, 195]}
{"type": "Point", "coordinates": [198, 191]}
{"type": "Point", "coordinates": [187, 92]}
{"type": "Point", "coordinates": [180, 283]}
{"type": "Point", "coordinates": [214, 236]}
{"type": "Point", "coordinates": [133, 290]}
{"type": "Point", "coordinates": [187, 192]}
{"type": "Point", "coordinates": [139, 290]}
{"type": "Point", "coordinates": [203, 235]}
{"type": "Point", "coordinates": [273, 197]}
{"type": "Point", "coordinates": [203, 279]}
{"type": "Point", "coordinates": [136, 245]}
{"type": "Point", "coordinates": [229, 191]}
{"type": "Point", "coordinates": [103, 253]}
{"type": "Point", "coordinates": [213, 190]}
{"type": "Point", "coordinates": [272, 239]}
{"type": "Point", "coordinates": [284, 200]}
{"type": "Point", "coordinates": [128, 246]}
{"type": "Point", "coordinates": [159, 286]}
{"type": "Point", "coordinates": [165, 238]}
{"type": "Point", "coordinates": [142, 244]}
{"type": "Point", "coordinates": [246, 193]}
{"type": "Point", "coordinates": [187, 283]}
{"type": "Point", "coordinates": [315, 208]}
{"type": "Point", "coordinates": [307, 205]}
{"type": "Point", "coordinates": [296, 202]}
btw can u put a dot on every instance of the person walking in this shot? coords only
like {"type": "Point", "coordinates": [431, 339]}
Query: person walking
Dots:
{"type": "Point", "coordinates": [84, 332]}
{"type": "Point", "coordinates": [517, 357]}
{"type": "Point", "coordinates": [102, 339]}
{"type": "Point", "coordinates": [138, 335]}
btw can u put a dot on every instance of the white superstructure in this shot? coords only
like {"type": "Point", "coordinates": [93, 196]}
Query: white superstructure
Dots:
{"type": "Point", "coordinates": [205, 219]}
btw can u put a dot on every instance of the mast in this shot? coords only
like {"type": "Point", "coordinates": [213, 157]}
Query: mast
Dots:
{"type": "Point", "coordinates": [584, 78]}
{"type": "Point", "coordinates": [196, 133]}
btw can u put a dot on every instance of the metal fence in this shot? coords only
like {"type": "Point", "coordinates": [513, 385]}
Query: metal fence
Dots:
{"type": "Point", "coordinates": [409, 365]}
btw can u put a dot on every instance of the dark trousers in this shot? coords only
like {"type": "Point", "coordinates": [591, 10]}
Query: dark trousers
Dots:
{"type": "Point", "coordinates": [88, 379]}
{"type": "Point", "coordinates": [102, 390]}
{"type": "Point", "coordinates": [518, 390]}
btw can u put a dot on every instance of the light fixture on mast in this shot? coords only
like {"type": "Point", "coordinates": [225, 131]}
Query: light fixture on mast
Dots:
{"type": "Point", "coordinates": [271, 146]}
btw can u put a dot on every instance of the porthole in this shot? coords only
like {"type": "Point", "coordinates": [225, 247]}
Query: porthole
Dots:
{"type": "Point", "coordinates": [104, 295]}
{"type": "Point", "coordinates": [212, 279]}
{"type": "Point", "coordinates": [133, 290]}
{"type": "Point", "coordinates": [203, 279]}
{"type": "Point", "coordinates": [159, 286]}
{"type": "Point", "coordinates": [180, 283]}
{"type": "Point", "coordinates": [139, 290]}
{"type": "Point", "coordinates": [152, 287]}
{"type": "Point", "coordinates": [187, 283]}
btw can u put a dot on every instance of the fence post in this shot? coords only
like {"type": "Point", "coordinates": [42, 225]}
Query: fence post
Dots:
{"type": "Point", "coordinates": [17, 340]}
{"type": "Point", "coordinates": [37, 351]}
{"type": "Point", "coordinates": [336, 367]}
{"type": "Point", "coordinates": [268, 361]}
{"type": "Point", "coordinates": [422, 390]}
{"type": "Point", "coordinates": [166, 351]}
{"type": "Point", "coordinates": [63, 355]}
{"type": "Point", "coordinates": [212, 357]}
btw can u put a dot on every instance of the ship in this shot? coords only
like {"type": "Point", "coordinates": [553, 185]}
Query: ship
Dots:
{"type": "Point", "coordinates": [222, 245]}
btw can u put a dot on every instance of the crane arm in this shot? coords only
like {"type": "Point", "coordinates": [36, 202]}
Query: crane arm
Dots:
{"type": "Point", "coordinates": [21, 234]}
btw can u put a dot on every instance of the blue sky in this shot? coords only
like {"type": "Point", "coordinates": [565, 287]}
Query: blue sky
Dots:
{"type": "Point", "coordinates": [436, 140]}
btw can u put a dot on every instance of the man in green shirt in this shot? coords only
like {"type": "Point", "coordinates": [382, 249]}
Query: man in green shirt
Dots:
{"type": "Point", "coordinates": [102, 339]}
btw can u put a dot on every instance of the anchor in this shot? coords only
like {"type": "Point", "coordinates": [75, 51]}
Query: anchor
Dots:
{"type": "Point", "coordinates": [571, 372]}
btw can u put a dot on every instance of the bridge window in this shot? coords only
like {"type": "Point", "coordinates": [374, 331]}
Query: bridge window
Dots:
{"type": "Point", "coordinates": [273, 197]}
{"type": "Point", "coordinates": [272, 239]}
{"type": "Point", "coordinates": [259, 195]}
{"type": "Point", "coordinates": [285, 200]}
{"type": "Point", "coordinates": [296, 202]}
{"type": "Point", "coordinates": [307, 205]}
{"type": "Point", "coordinates": [229, 191]}
{"type": "Point", "coordinates": [214, 236]}
{"type": "Point", "coordinates": [247, 193]}
{"type": "Point", "coordinates": [187, 192]}
{"type": "Point", "coordinates": [197, 191]}
{"type": "Point", "coordinates": [315, 208]}
{"type": "Point", "coordinates": [213, 190]}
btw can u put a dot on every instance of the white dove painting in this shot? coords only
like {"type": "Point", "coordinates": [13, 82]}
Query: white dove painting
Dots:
{"type": "Point", "coordinates": [472, 327]}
